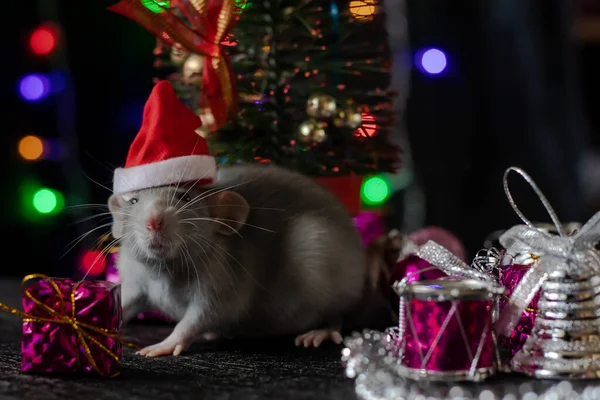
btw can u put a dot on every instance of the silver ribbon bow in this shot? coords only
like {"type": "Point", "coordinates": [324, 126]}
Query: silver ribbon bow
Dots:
{"type": "Point", "coordinates": [575, 254]}
{"type": "Point", "coordinates": [442, 259]}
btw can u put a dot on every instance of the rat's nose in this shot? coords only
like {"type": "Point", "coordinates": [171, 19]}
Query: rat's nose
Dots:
{"type": "Point", "coordinates": [154, 223]}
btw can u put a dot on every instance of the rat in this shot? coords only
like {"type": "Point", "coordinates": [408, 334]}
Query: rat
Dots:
{"type": "Point", "coordinates": [264, 251]}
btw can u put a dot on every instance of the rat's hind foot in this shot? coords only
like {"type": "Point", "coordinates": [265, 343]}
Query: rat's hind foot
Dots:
{"type": "Point", "coordinates": [316, 337]}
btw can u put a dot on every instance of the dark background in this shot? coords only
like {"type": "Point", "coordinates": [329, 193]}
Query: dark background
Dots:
{"type": "Point", "coordinates": [521, 88]}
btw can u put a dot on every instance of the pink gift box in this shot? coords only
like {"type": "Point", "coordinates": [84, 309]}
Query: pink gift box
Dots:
{"type": "Point", "coordinates": [52, 345]}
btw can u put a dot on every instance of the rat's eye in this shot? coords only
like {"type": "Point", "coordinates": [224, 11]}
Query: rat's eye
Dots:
{"type": "Point", "coordinates": [132, 200]}
{"type": "Point", "coordinates": [184, 197]}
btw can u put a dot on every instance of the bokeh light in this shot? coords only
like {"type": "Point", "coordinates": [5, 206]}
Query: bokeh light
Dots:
{"type": "Point", "coordinates": [31, 147]}
{"type": "Point", "coordinates": [433, 61]}
{"type": "Point", "coordinates": [375, 190]}
{"type": "Point", "coordinates": [34, 87]}
{"type": "Point", "coordinates": [47, 201]}
{"type": "Point", "coordinates": [43, 40]}
{"type": "Point", "coordinates": [93, 262]}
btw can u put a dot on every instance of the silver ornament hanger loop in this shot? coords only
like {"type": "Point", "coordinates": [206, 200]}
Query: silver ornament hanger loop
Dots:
{"type": "Point", "coordinates": [540, 195]}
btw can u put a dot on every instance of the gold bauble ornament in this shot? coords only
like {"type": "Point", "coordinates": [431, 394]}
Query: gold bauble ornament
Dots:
{"type": "Point", "coordinates": [311, 131]}
{"type": "Point", "coordinates": [347, 118]}
{"type": "Point", "coordinates": [178, 54]}
{"type": "Point", "coordinates": [353, 118]}
{"type": "Point", "coordinates": [321, 106]}
{"type": "Point", "coordinates": [339, 119]}
{"type": "Point", "coordinates": [192, 69]}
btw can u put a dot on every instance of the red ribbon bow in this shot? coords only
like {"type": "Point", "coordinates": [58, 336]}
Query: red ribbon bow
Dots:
{"type": "Point", "coordinates": [212, 20]}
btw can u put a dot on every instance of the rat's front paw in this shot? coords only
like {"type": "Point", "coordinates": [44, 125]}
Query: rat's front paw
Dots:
{"type": "Point", "coordinates": [165, 348]}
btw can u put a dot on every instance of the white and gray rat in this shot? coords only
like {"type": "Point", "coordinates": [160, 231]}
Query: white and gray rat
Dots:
{"type": "Point", "coordinates": [266, 251]}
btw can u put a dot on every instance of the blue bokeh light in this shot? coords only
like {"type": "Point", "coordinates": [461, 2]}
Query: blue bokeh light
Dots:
{"type": "Point", "coordinates": [34, 87]}
{"type": "Point", "coordinates": [433, 61]}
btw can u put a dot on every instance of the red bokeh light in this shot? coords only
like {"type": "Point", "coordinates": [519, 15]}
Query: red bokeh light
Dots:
{"type": "Point", "coordinates": [43, 40]}
{"type": "Point", "coordinates": [93, 262]}
{"type": "Point", "coordinates": [368, 128]}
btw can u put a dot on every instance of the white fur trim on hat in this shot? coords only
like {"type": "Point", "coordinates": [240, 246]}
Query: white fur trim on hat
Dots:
{"type": "Point", "coordinates": [167, 172]}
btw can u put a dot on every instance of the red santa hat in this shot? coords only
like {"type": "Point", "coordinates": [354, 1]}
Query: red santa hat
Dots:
{"type": "Point", "coordinates": [167, 150]}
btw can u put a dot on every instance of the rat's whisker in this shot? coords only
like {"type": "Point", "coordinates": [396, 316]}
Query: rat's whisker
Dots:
{"type": "Point", "coordinates": [109, 167]}
{"type": "Point", "coordinates": [169, 242]}
{"type": "Point", "coordinates": [77, 240]}
{"type": "Point", "coordinates": [228, 220]}
{"type": "Point", "coordinates": [187, 164]}
{"type": "Point", "coordinates": [234, 205]}
{"type": "Point", "coordinates": [81, 220]}
{"type": "Point", "coordinates": [216, 221]}
{"type": "Point", "coordinates": [98, 183]}
{"type": "Point", "coordinates": [206, 173]}
{"type": "Point", "coordinates": [188, 222]}
{"type": "Point", "coordinates": [205, 195]}
{"type": "Point", "coordinates": [181, 256]}
{"type": "Point", "coordinates": [195, 200]}
{"type": "Point", "coordinates": [91, 205]}
{"type": "Point", "coordinates": [210, 276]}
{"type": "Point", "coordinates": [215, 245]}
{"type": "Point", "coordinates": [103, 253]}
{"type": "Point", "coordinates": [207, 269]}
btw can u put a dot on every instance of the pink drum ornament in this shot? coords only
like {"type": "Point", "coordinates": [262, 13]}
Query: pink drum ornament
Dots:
{"type": "Point", "coordinates": [446, 329]}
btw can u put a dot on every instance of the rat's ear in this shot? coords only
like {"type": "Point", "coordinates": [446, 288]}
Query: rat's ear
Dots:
{"type": "Point", "coordinates": [232, 210]}
{"type": "Point", "coordinates": [115, 206]}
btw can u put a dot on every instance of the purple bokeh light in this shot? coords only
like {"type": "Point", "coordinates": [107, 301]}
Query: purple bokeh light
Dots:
{"type": "Point", "coordinates": [34, 87]}
{"type": "Point", "coordinates": [433, 61]}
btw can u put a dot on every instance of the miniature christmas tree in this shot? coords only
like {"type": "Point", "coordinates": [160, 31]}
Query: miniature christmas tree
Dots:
{"type": "Point", "coordinates": [310, 77]}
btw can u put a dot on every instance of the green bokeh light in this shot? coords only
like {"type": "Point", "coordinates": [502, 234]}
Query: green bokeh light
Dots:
{"type": "Point", "coordinates": [156, 6]}
{"type": "Point", "coordinates": [47, 201]}
{"type": "Point", "coordinates": [375, 190]}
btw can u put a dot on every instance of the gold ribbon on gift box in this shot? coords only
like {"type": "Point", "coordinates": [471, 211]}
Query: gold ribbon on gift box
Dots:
{"type": "Point", "coordinates": [81, 329]}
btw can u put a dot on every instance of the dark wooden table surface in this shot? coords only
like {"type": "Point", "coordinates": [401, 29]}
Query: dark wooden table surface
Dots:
{"type": "Point", "coordinates": [273, 369]}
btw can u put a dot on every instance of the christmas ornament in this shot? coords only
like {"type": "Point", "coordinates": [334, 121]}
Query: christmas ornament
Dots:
{"type": "Point", "coordinates": [311, 132]}
{"type": "Point", "coordinates": [347, 118]}
{"type": "Point", "coordinates": [565, 337]}
{"type": "Point", "coordinates": [445, 330]}
{"type": "Point", "coordinates": [510, 269]}
{"type": "Point", "coordinates": [321, 106]}
{"type": "Point", "coordinates": [193, 69]}
{"type": "Point", "coordinates": [157, 157]}
{"type": "Point", "coordinates": [218, 81]}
